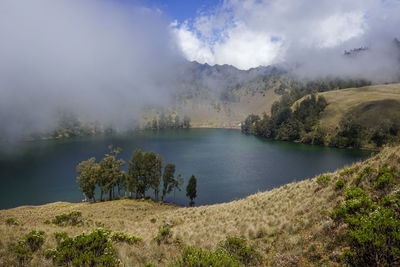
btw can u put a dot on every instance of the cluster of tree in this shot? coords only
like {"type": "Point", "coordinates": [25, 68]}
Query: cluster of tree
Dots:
{"type": "Point", "coordinates": [301, 122]}
{"type": "Point", "coordinates": [145, 172]}
{"type": "Point", "coordinates": [353, 134]}
{"type": "Point", "coordinates": [285, 124]}
{"type": "Point", "coordinates": [168, 122]}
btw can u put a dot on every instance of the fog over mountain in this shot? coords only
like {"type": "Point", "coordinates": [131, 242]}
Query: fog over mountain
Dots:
{"type": "Point", "coordinates": [98, 59]}
{"type": "Point", "coordinates": [105, 60]}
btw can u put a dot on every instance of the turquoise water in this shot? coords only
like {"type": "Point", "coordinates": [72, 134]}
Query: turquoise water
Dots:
{"type": "Point", "coordinates": [227, 164]}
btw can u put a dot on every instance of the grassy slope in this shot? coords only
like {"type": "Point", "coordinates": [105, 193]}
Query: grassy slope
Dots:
{"type": "Point", "coordinates": [229, 114]}
{"type": "Point", "coordinates": [342, 101]}
{"type": "Point", "coordinates": [287, 224]}
{"type": "Point", "coordinates": [206, 110]}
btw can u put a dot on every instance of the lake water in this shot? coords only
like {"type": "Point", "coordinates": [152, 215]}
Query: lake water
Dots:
{"type": "Point", "coordinates": [227, 164]}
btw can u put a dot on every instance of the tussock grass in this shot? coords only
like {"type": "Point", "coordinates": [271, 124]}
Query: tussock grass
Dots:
{"type": "Point", "coordinates": [287, 225]}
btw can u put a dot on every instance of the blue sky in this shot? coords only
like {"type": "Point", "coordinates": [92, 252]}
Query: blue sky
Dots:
{"type": "Point", "coordinates": [179, 10]}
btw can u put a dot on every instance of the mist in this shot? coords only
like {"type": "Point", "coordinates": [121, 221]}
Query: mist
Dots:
{"type": "Point", "coordinates": [98, 59]}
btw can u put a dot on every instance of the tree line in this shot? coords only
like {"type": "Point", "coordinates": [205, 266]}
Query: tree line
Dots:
{"type": "Point", "coordinates": [298, 123]}
{"type": "Point", "coordinates": [168, 122]}
{"type": "Point", "coordinates": [145, 172]}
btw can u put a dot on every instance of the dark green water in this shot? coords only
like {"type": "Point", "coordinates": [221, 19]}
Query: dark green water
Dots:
{"type": "Point", "coordinates": [227, 164]}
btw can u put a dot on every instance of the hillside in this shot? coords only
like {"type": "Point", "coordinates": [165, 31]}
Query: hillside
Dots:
{"type": "Point", "coordinates": [371, 104]}
{"type": "Point", "coordinates": [288, 226]}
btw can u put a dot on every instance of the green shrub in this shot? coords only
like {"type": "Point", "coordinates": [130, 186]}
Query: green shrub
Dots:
{"type": "Point", "coordinates": [60, 236]}
{"type": "Point", "coordinates": [374, 239]}
{"type": "Point", "coordinates": [94, 249]}
{"type": "Point", "coordinates": [239, 250]}
{"type": "Point", "coordinates": [73, 218]}
{"type": "Point", "coordinates": [365, 174]}
{"type": "Point", "coordinates": [11, 221]}
{"type": "Point", "coordinates": [347, 171]}
{"type": "Point", "coordinates": [122, 237]}
{"type": "Point", "coordinates": [323, 180]}
{"type": "Point", "coordinates": [340, 184]}
{"type": "Point", "coordinates": [163, 235]}
{"type": "Point", "coordinates": [385, 179]}
{"type": "Point", "coordinates": [192, 257]}
{"type": "Point", "coordinates": [29, 244]}
{"type": "Point", "coordinates": [372, 230]}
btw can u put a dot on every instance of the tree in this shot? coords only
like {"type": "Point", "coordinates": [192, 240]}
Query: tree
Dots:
{"type": "Point", "coordinates": [168, 179]}
{"type": "Point", "coordinates": [152, 164]}
{"type": "Point", "coordinates": [110, 171]}
{"type": "Point", "coordinates": [178, 123]}
{"type": "Point", "coordinates": [191, 191]}
{"type": "Point", "coordinates": [88, 171]}
{"type": "Point", "coordinates": [186, 122]}
{"type": "Point", "coordinates": [135, 180]}
{"type": "Point", "coordinates": [177, 183]}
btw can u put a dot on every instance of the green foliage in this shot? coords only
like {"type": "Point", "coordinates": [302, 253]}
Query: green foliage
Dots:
{"type": "Point", "coordinates": [60, 236]}
{"type": "Point", "coordinates": [163, 235]}
{"type": "Point", "coordinates": [373, 223]}
{"type": "Point", "coordinates": [347, 171]}
{"type": "Point", "coordinates": [239, 250]}
{"type": "Point", "coordinates": [94, 249]}
{"type": "Point", "coordinates": [350, 132]}
{"type": "Point", "coordinates": [365, 174]}
{"type": "Point", "coordinates": [73, 218]}
{"type": "Point", "coordinates": [191, 191]}
{"type": "Point", "coordinates": [110, 173]}
{"type": "Point", "coordinates": [167, 122]}
{"type": "Point", "coordinates": [29, 244]}
{"type": "Point", "coordinates": [385, 180]}
{"type": "Point", "coordinates": [122, 237]}
{"type": "Point", "coordinates": [340, 184]}
{"type": "Point", "coordinates": [88, 171]}
{"type": "Point", "coordinates": [323, 180]}
{"type": "Point", "coordinates": [12, 221]}
{"type": "Point", "coordinates": [169, 181]}
{"type": "Point", "coordinates": [192, 257]}
{"type": "Point", "coordinates": [302, 123]}
{"type": "Point", "coordinates": [231, 252]}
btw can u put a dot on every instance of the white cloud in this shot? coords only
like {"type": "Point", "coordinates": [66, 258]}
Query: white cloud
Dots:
{"type": "Point", "coordinates": [249, 33]}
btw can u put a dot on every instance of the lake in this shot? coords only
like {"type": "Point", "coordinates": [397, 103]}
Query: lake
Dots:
{"type": "Point", "coordinates": [226, 163]}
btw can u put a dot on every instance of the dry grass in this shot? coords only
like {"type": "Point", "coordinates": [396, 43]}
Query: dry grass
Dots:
{"type": "Point", "coordinates": [342, 101]}
{"type": "Point", "coordinates": [288, 225]}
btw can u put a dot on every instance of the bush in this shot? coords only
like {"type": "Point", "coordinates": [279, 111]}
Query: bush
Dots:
{"type": "Point", "coordinates": [323, 180]}
{"type": "Point", "coordinates": [385, 180]}
{"type": "Point", "coordinates": [73, 218]}
{"type": "Point", "coordinates": [11, 221]}
{"type": "Point", "coordinates": [25, 247]}
{"type": "Point", "coordinates": [340, 184]}
{"type": "Point", "coordinates": [347, 171]}
{"type": "Point", "coordinates": [122, 237]}
{"type": "Point", "coordinates": [60, 236]}
{"type": "Point", "coordinates": [366, 174]}
{"type": "Point", "coordinates": [94, 249]}
{"type": "Point", "coordinates": [231, 252]}
{"type": "Point", "coordinates": [372, 230]}
{"type": "Point", "coordinates": [163, 235]}
{"type": "Point", "coordinates": [239, 250]}
{"type": "Point", "coordinates": [192, 257]}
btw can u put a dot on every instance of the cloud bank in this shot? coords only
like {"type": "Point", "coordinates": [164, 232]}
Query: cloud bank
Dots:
{"type": "Point", "coordinates": [313, 34]}
{"type": "Point", "coordinates": [98, 59]}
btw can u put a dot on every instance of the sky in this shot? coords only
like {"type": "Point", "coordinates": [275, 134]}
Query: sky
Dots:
{"type": "Point", "coordinates": [250, 33]}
